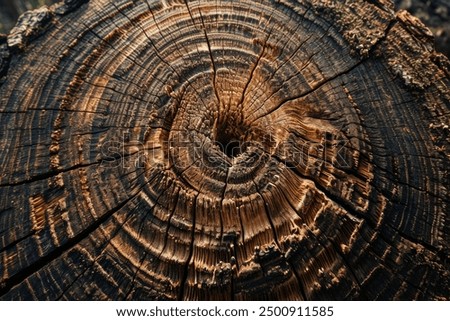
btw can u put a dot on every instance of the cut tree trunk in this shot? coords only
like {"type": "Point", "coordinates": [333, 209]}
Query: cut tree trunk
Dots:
{"type": "Point", "coordinates": [225, 150]}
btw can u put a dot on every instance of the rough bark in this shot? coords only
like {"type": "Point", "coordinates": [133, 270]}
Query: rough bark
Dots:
{"type": "Point", "coordinates": [10, 10]}
{"type": "Point", "coordinates": [224, 150]}
{"type": "Point", "coordinates": [435, 14]}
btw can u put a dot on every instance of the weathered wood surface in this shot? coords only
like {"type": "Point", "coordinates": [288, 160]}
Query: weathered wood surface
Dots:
{"type": "Point", "coordinates": [223, 150]}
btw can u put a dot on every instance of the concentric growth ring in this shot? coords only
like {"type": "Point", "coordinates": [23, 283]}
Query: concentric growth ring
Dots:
{"type": "Point", "coordinates": [221, 150]}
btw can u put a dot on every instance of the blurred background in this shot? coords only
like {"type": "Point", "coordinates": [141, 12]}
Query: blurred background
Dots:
{"type": "Point", "coordinates": [10, 10]}
{"type": "Point", "coordinates": [434, 13]}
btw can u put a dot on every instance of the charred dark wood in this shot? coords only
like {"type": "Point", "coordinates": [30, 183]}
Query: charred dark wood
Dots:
{"type": "Point", "coordinates": [223, 150]}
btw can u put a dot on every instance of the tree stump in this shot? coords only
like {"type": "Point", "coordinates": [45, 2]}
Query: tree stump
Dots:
{"type": "Point", "coordinates": [223, 150]}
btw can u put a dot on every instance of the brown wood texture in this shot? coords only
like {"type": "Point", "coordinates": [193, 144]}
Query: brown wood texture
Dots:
{"type": "Point", "coordinates": [223, 150]}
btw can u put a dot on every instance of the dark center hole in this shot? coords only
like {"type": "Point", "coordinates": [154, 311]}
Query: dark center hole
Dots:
{"type": "Point", "coordinates": [229, 145]}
